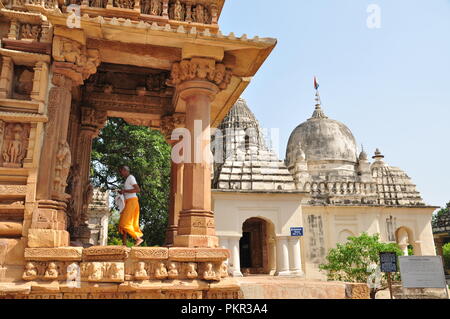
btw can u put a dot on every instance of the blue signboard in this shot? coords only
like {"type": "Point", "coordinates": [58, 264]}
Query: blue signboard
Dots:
{"type": "Point", "coordinates": [297, 231]}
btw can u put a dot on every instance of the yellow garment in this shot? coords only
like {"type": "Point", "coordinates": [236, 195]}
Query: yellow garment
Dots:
{"type": "Point", "coordinates": [129, 219]}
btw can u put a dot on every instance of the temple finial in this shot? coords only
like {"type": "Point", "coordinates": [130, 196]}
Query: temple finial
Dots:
{"type": "Point", "coordinates": [318, 112]}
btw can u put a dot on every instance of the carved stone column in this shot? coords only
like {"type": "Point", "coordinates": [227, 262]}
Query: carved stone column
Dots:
{"type": "Point", "coordinates": [197, 82]}
{"type": "Point", "coordinates": [92, 121]}
{"type": "Point", "coordinates": [58, 110]}
{"type": "Point", "coordinates": [170, 123]}
{"type": "Point", "coordinates": [72, 64]}
{"type": "Point", "coordinates": [6, 76]}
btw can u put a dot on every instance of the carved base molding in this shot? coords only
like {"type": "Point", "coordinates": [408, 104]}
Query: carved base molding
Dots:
{"type": "Point", "coordinates": [119, 272]}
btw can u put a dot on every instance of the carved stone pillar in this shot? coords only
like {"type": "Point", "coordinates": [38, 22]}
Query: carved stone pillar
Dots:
{"type": "Point", "coordinates": [197, 81]}
{"type": "Point", "coordinates": [6, 77]}
{"type": "Point", "coordinates": [169, 123]}
{"type": "Point", "coordinates": [55, 149]}
{"type": "Point", "coordinates": [92, 121]}
{"type": "Point", "coordinates": [72, 64]}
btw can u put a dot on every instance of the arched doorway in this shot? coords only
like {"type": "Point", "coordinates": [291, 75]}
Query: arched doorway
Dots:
{"type": "Point", "coordinates": [405, 241]}
{"type": "Point", "coordinates": [255, 247]}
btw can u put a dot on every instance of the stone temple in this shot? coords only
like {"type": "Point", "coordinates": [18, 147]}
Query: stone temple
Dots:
{"type": "Point", "coordinates": [324, 185]}
{"type": "Point", "coordinates": [68, 65]}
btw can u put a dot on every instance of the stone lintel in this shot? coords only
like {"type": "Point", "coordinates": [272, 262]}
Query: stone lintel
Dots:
{"type": "Point", "coordinates": [100, 253]}
{"type": "Point", "coordinates": [150, 253]}
{"type": "Point", "coordinates": [198, 254]}
{"type": "Point", "coordinates": [54, 254]}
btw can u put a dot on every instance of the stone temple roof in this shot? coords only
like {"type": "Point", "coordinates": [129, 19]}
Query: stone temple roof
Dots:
{"type": "Point", "coordinates": [394, 186]}
{"type": "Point", "coordinates": [322, 139]}
{"type": "Point", "coordinates": [249, 165]}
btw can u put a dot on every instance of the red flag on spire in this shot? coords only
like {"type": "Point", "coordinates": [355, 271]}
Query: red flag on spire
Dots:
{"type": "Point", "coordinates": [316, 83]}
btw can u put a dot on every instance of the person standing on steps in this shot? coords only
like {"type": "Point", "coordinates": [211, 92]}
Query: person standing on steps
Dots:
{"type": "Point", "coordinates": [129, 218]}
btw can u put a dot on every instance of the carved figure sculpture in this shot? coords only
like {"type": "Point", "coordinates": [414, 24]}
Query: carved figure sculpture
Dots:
{"type": "Point", "coordinates": [15, 150]}
{"type": "Point", "coordinates": [178, 11]}
{"type": "Point", "coordinates": [95, 271]}
{"type": "Point", "coordinates": [192, 272]}
{"type": "Point", "coordinates": [209, 273]}
{"type": "Point", "coordinates": [51, 272]}
{"type": "Point", "coordinates": [223, 270]}
{"type": "Point", "coordinates": [173, 272]}
{"type": "Point", "coordinates": [30, 272]}
{"type": "Point", "coordinates": [155, 7]}
{"type": "Point", "coordinates": [140, 273]}
{"type": "Point", "coordinates": [161, 271]}
{"type": "Point", "coordinates": [145, 6]}
{"type": "Point", "coordinates": [63, 162]}
{"type": "Point", "coordinates": [199, 14]}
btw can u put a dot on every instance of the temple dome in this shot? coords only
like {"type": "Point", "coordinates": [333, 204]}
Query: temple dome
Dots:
{"type": "Point", "coordinates": [322, 139]}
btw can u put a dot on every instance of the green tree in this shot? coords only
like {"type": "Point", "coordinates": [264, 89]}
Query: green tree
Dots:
{"type": "Point", "coordinates": [349, 262]}
{"type": "Point", "coordinates": [446, 253]}
{"type": "Point", "coordinates": [440, 212]}
{"type": "Point", "coordinates": [147, 154]}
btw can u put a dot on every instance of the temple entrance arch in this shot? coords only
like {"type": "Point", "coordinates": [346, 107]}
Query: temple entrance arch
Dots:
{"type": "Point", "coordinates": [405, 240]}
{"type": "Point", "coordinates": [257, 246]}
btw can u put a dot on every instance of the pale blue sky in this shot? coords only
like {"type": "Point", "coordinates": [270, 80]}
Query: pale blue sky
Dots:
{"type": "Point", "coordinates": [390, 86]}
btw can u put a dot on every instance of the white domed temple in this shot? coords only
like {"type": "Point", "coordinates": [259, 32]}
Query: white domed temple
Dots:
{"type": "Point", "coordinates": [324, 186]}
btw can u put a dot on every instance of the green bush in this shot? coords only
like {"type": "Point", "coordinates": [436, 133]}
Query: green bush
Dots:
{"type": "Point", "coordinates": [446, 253]}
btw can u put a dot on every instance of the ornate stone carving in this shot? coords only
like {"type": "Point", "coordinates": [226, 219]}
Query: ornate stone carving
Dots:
{"type": "Point", "coordinates": [161, 271]}
{"type": "Point", "coordinates": [97, 3]}
{"type": "Point", "coordinates": [62, 168]}
{"type": "Point", "coordinates": [171, 122]}
{"type": "Point", "coordinates": [30, 272]}
{"type": "Point", "coordinates": [52, 271]}
{"type": "Point", "coordinates": [191, 272]}
{"type": "Point", "coordinates": [13, 189]}
{"type": "Point", "coordinates": [84, 60]}
{"type": "Point", "coordinates": [223, 270]}
{"type": "Point", "coordinates": [105, 253]}
{"type": "Point", "coordinates": [124, 4]}
{"type": "Point", "coordinates": [155, 7]}
{"type": "Point", "coordinates": [103, 271]}
{"type": "Point", "coordinates": [200, 69]}
{"type": "Point", "coordinates": [177, 11]}
{"type": "Point", "coordinates": [30, 32]}
{"type": "Point", "coordinates": [149, 253]}
{"type": "Point", "coordinates": [140, 273]}
{"type": "Point", "coordinates": [173, 271]}
{"type": "Point", "coordinates": [199, 13]}
{"type": "Point", "coordinates": [15, 143]}
{"type": "Point", "coordinates": [209, 273]}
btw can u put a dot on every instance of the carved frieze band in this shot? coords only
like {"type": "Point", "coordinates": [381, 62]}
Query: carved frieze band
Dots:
{"type": "Point", "coordinates": [200, 69]}
{"type": "Point", "coordinates": [119, 264]}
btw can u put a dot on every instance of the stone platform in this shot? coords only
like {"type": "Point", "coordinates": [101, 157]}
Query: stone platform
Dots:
{"type": "Point", "coordinates": [118, 272]}
{"type": "Point", "coordinates": [269, 287]}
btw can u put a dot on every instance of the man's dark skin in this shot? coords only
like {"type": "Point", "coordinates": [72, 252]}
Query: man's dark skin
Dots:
{"type": "Point", "coordinates": [124, 172]}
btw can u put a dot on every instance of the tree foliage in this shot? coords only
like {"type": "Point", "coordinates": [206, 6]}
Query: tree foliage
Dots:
{"type": "Point", "coordinates": [148, 156]}
{"type": "Point", "coordinates": [443, 211]}
{"type": "Point", "coordinates": [446, 253]}
{"type": "Point", "coordinates": [348, 262]}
